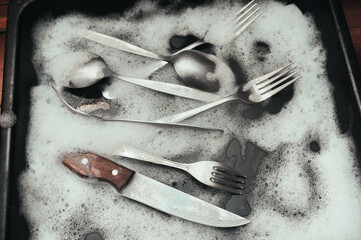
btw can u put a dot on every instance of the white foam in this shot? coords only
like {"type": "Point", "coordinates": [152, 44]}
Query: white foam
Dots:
{"type": "Point", "coordinates": [297, 194]}
{"type": "Point", "coordinates": [63, 67]}
{"type": "Point", "coordinates": [7, 119]}
{"type": "Point", "coordinates": [225, 76]}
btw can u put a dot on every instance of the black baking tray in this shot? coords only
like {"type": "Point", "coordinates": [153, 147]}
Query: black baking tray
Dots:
{"type": "Point", "coordinates": [19, 77]}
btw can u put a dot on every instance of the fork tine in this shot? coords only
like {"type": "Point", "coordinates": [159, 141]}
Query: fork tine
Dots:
{"type": "Point", "coordinates": [274, 78]}
{"type": "Point", "coordinates": [240, 29]}
{"type": "Point", "coordinates": [273, 85]}
{"type": "Point", "coordinates": [228, 186]}
{"type": "Point", "coordinates": [276, 90]}
{"type": "Point", "coordinates": [226, 182]}
{"type": "Point", "coordinates": [229, 171]}
{"type": "Point", "coordinates": [243, 8]}
{"type": "Point", "coordinates": [230, 177]}
{"type": "Point", "coordinates": [216, 177]}
{"type": "Point", "coordinates": [237, 182]}
{"type": "Point", "coordinates": [241, 14]}
{"type": "Point", "coordinates": [271, 74]}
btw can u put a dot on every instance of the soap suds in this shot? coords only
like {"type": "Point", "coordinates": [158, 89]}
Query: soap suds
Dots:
{"type": "Point", "coordinates": [7, 119]}
{"type": "Point", "coordinates": [297, 193]}
{"type": "Point", "coordinates": [64, 67]}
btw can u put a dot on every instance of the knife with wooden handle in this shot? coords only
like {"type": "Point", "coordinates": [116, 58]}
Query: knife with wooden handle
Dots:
{"type": "Point", "coordinates": [151, 192]}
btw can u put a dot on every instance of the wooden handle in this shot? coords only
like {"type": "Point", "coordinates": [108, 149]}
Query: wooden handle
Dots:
{"type": "Point", "coordinates": [94, 166]}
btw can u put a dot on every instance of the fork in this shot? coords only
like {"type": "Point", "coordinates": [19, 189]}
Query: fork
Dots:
{"type": "Point", "coordinates": [242, 20]}
{"type": "Point", "coordinates": [211, 173]}
{"type": "Point", "coordinates": [254, 91]}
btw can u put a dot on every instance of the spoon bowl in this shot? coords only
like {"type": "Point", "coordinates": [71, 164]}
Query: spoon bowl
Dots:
{"type": "Point", "coordinates": [93, 68]}
{"type": "Point", "coordinates": [194, 68]}
{"type": "Point", "coordinates": [88, 74]}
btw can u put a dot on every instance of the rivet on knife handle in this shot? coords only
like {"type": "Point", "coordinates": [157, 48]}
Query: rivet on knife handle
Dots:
{"type": "Point", "coordinates": [94, 166]}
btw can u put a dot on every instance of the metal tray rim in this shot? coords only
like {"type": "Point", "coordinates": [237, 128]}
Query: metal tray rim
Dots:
{"type": "Point", "coordinates": [15, 10]}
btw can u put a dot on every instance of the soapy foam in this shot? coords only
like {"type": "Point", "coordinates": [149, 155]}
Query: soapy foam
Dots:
{"type": "Point", "coordinates": [297, 193]}
{"type": "Point", "coordinates": [63, 67]}
{"type": "Point", "coordinates": [7, 119]}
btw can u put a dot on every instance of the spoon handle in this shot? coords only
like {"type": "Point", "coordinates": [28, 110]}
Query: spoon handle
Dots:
{"type": "Point", "coordinates": [122, 45]}
{"type": "Point", "coordinates": [169, 88]}
{"type": "Point", "coordinates": [191, 46]}
{"type": "Point", "coordinates": [159, 64]}
{"type": "Point", "coordinates": [187, 114]}
{"type": "Point", "coordinates": [76, 111]}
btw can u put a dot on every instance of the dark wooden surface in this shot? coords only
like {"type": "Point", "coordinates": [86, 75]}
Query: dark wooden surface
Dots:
{"type": "Point", "coordinates": [3, 18]}
{"type": "Point", "coordinates": [352, 10]}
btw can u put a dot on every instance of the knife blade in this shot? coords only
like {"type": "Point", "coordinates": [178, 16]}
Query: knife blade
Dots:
{"type": "Point", "coordinates": [151, 192]}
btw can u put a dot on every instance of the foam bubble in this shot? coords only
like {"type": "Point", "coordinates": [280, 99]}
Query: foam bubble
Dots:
{"type": "Point", "coordinates": [7, 119]}
{"type": "Point", "coordinates": [64, 67]}
{"type": "Point", "coordinates": [225, 76]}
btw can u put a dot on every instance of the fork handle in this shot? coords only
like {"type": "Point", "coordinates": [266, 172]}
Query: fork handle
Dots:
{"type": "Point", "coordinates": [187, 114]}
{"type": "Point", "coordinates": [137, 154]}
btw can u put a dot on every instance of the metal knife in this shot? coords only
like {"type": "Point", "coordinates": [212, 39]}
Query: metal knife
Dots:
{"type": "Point", "coordinates": [151, 192]}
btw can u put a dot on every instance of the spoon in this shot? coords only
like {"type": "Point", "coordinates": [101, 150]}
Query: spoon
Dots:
{"type": "Point", "coordinates": [94, 68]}
{"type": "Point", "coordinates": [85, 114]}
{"type": "Point", "coordinates": [191, 65]}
